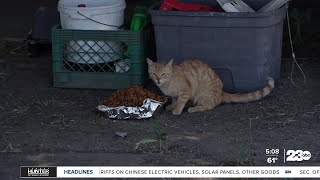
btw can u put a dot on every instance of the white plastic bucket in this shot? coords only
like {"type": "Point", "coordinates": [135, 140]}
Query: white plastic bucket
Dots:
{"type": "Point", "coordinates": [96, 15]}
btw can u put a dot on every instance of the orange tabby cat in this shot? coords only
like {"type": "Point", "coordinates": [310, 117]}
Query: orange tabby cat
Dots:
{"type": "Point", "coordinates": [196, 81]}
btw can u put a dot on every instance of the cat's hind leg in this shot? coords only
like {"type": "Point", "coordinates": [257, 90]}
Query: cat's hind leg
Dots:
{"type": "Point", "coordinates": [199, 108]}
{"type": "Point", "coordinates": [204, 104]}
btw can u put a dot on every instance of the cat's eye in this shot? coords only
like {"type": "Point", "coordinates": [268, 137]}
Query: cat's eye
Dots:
{"type": "Point", "coordinates": [164, 75]}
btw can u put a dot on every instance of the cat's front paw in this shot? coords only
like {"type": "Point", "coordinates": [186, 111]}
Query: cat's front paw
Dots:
{"type": "Point", "coordinates": [176, 112]}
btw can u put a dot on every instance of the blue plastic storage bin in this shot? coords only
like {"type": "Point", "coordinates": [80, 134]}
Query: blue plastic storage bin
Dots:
{"type": "Point", "coordinates": [243, 48]}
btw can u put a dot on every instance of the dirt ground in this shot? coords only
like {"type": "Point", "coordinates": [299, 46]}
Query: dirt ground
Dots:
{"type": "Point", "coordinates": [54, 126]}
{"type": "Point", "coordinates": [42, 125]}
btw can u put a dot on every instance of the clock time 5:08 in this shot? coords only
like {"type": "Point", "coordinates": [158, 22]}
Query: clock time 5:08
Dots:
{"type": "Point", "coordinates": [272, 151]}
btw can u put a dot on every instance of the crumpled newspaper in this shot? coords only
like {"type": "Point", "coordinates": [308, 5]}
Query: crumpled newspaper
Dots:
{"type": "Point", "coordinates": [147, 110]}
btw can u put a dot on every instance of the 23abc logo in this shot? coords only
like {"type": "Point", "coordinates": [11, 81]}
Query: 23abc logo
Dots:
{"type": "Point", "coordinates": [298, 155]}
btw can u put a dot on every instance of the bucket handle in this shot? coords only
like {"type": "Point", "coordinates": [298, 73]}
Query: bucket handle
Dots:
{"type": "Point", "coordinates": [119, 27]}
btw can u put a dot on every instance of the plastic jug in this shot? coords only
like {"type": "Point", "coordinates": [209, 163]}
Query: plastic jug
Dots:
{"type": "Point", "coordinates": [139, 19]}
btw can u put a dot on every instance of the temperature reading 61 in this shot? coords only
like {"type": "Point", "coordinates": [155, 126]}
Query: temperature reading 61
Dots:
{"type": "Point", "coordinates": [272, 160]}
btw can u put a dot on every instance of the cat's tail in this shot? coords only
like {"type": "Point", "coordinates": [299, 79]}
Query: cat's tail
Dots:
{"type": "Point", "coordinates": [252, 96]}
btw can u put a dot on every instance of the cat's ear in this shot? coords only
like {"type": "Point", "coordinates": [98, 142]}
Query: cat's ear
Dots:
{"type": "Point", "coordinates": [170, 63]}
{"type": "Point", "coordinates": [149, 61]}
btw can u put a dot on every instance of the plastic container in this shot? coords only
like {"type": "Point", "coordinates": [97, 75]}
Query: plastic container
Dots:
{"type": "Point", "coordinates": [243, 48]}
{"type": "Point", "coordinates": [92, 15]}
{"type": "Point", "coordinates": [273, 5]}
{"type": "Point", "coordinates": [44, 19]}
{"type": "Point", "coordinates": [139, 18]}
{"type": "Point", "coordinates": [234, 6]}
{"type": "Point", "coordinates": [111, 75]}
{"type": "Point", "coordinates": [39, 38]}
{"type": "Point", "coordinates": [96, 15]}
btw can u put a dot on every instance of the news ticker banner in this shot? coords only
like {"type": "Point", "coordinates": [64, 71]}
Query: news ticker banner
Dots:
{"type": "Point", "coordinates": [170, 172]}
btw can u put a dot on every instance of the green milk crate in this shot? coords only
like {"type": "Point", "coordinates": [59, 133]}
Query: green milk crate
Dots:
{"type": "Point", "coordinates": [98, 59]}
